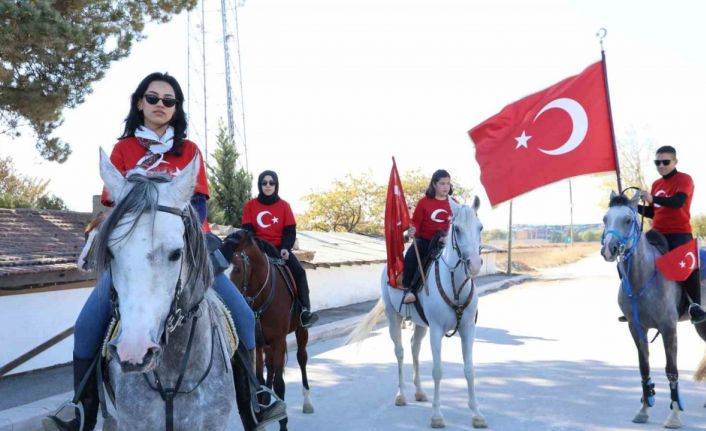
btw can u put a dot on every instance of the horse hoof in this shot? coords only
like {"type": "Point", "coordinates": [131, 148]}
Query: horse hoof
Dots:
{"type": "Point", "coordinates": [308, 408]}
{"type": "Point", "coordinates": [672, 422]}
{"type": "Point", "coordinates": [400, 400]}
{"type": "Point", "coordinates": [640, 418]}
{"type": "Point", "coordinates": [438, 422]}
{"type": "Point", "coordinates": [421, 396]}
{"type": "Point", "coordinates": [479, 422]}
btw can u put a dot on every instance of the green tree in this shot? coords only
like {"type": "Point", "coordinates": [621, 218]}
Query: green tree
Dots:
{"type": "Point", "coordinates": [354, 204]}
{"type": "Point", "coordinates": [17, 191]}
{"type": "Point", "coordinates": [698, 224]}
{"type": "Point", "coordinates": [230, 185]}
{"type": "Point", "coordinates": [52, 51]}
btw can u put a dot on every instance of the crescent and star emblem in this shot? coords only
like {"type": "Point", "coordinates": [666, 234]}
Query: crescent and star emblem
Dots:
{"type": "Point", "coordinates": [579, 121]}
{"type": "Point", "coordinates": [693, 261]}
{"type": "Point", "coordinates": [436, 213]}
{"type": "Point", "coordinates": [262, 224]}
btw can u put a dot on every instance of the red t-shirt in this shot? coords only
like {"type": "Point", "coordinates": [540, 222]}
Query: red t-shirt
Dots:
{"type": "Point", "coordinates": [268, 220]}
{"type": "Point", "coordinates": [431, 215]}
{"type": "Point", "coordinates": [127, 152]}
{"type": "Point", "coordinates": [673, 220]}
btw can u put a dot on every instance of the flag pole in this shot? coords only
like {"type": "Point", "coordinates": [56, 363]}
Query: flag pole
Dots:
{"type": "Point", "coordinates": [571, 214]}
{"type": "Point", "coordinates": [421, 268]}
{"type": "Point", "coordinates": [602, 32]}
{"type": "Point", "coordinates": [509, 242]}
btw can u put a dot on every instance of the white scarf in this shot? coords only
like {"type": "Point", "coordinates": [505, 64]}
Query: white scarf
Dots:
{"type": "Point", "coordinates": [156, 145]}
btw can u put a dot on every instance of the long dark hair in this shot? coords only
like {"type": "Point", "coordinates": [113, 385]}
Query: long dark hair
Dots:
{"type": "Point", "coordinates": [439, 174]}
{"type": "Point", "coordinates": [135, 118]}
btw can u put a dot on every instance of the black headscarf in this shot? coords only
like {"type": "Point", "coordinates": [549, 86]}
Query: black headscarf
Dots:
{"type": "Point", "coordinates": [261, 197]}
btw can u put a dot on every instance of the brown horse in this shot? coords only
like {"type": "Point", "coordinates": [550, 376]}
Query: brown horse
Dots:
{"type": "Point", "coordinates": [265, 282]}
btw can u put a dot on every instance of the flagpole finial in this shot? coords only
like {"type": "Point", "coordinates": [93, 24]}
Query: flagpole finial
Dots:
{"type": "Point", "coordinates": [601, 34]}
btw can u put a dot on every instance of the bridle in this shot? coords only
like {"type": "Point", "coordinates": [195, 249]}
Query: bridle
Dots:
{"type": "Point", "coordinates": [456, 305]}
{"type": "Point", "coordinates": [174, 320]}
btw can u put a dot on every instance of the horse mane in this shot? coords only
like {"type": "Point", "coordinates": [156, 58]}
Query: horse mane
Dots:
{"type": "Point", "coordinates": [266, 247]}
{"type": "Point", "coordinates": [144, 198]}
{"type": "Point", "coordinates": [619, 200]}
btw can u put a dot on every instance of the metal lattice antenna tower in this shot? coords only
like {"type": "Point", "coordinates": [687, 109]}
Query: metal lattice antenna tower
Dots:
{"type": "Point", "coordinates": [226, 56]}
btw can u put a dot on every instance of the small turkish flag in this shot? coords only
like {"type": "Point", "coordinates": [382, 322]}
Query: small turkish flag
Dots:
{"type": "Point", "coordinates": [557, 133]}
{"type": "Point", "coordinates": [396, 222]}
{"type": "Point", "coordinates": [679, 263]}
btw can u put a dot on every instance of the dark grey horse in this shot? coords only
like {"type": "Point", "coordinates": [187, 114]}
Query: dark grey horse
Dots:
{"type": "Point", "coordinates": [170, 364]}
{"type": "Point", "coordinates": [646, 298]}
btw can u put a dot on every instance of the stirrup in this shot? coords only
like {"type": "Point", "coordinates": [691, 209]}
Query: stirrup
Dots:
{"type": "Point", "coordinates": [702, 314]}
{"type": "Point", "coordinates": [622, 319]}
{"type": "Point", "coordinates": [53, 422]}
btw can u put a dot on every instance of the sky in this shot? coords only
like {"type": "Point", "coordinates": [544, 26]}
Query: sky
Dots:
{"type": "Point", "coordinates": [332, 87]}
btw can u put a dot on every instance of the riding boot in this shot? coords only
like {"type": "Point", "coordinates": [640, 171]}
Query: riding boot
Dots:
{"type": "Point", "coordinates": [306, 318]}
{"type": "Point", "coordinates": [409, 296]}
{"type": "Point", "coordinates": [88, 399]}
{"type": "Point", "coordinates": [692, 286]}
{"type": "Point", "coordinates": [252, 414]}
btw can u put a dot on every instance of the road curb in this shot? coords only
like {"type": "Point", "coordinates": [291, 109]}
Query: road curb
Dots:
{"type": "Point", "coordinates": [28, 417]}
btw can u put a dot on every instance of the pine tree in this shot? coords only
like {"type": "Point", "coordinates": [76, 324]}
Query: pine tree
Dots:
{"type": "Point", "coordinates": [52, 51]}
{"type": "Point", "coordinates": [230, 184]}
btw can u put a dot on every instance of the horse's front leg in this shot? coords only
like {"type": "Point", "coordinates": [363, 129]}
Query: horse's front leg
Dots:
{"type": "Point", "coordinates": [395, 329]}
{"type": "Point", "coordinates": [669, 336]}
{"type": "Point", "coordinates": [302, 335]}
{"type": "Point", "coordinates": [419, 332]}
{"type": "Point", "coordinates": [468, 333]}
{"type": "Point", "coordinates": [279, 349]}
{"type": "Point", "coordinates": [648, 392]}
{"type": "Point", "coordinates": [435, 337]}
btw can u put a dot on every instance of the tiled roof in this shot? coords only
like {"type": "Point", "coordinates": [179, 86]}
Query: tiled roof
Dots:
{"type": "Point", "coordinates": [39, 241]}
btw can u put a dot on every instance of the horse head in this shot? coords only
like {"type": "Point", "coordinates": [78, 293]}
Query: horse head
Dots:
{"type": "Point", "coordinates": [621, 229]}
{"type": "Point", "coordinates": [464, 235]}
{"type": "Point", "coordinates": [248, 254]}
{"type": "Point", "coordinates": [154, 248]}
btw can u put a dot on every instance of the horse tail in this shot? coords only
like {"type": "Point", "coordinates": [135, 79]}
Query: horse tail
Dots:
{"type": "Point", "coordinates": [361, 331]}
{"type": "Point", "coordinates": [700, 373]}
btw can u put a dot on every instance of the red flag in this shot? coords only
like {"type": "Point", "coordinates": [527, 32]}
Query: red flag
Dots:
{"type": "Point", "coordinates": [396, 222]}
{"type": "Point", "coordinates": [559, 132]}
{"type": "Point", "coordinates": [679, 263]}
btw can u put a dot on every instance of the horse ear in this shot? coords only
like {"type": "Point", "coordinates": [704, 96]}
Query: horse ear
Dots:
{"type": "Point", "coordinates": [476, 203]}
{"type": "Point", "coordinates": [184, 182]}
{"type": "Point", "coordinates": [613, 194]}
{"type": "Point", "coordinates": [112, 178]}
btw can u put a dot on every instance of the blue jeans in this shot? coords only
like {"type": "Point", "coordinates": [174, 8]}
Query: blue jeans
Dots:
{"type": "Point", "coordinates": [93, 320]}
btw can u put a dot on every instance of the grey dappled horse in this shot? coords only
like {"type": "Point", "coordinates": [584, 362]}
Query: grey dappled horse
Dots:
{"type": "Point", "coordinates": [646, 298]}
{"type": "Point", "coordinates": [449, 302]}
{"type": "Point", "coordinates": [170, 360]}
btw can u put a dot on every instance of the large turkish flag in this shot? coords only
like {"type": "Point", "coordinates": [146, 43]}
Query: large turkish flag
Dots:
{"type": "Point", "coordinates": [559, 132]}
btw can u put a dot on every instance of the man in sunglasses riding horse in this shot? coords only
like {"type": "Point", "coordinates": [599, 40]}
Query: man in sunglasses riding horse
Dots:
{"type": "Point", "coordinates": [668, 205]}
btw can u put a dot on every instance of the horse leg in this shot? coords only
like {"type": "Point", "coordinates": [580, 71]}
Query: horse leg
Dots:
{"type": "Point", "coordinates": [648, 392]}
{"type": "Point", "coordinates": [279, 350]}
{"type": "Point", "coordinates": [669, 336]}
{"type": "Point", "coordinates": [419, 333]}
{"type": "Point", "coordinates": [468, 334]}
{"type": "Point", "coordinates": [302, 335]}
{"type": "Point", "coordinates": [395, 328]}
{"type": "Point", "coordinates": [437, 333]}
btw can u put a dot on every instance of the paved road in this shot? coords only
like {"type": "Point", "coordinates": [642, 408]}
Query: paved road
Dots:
{"type": "Point", "coordinates": [550, 355]}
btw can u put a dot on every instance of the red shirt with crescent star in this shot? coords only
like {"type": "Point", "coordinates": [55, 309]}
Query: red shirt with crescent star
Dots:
{"type": "Point", "coordinates": [268, 220]}
{"type": "Point", "coordinates": [431, 215]}
{"type": "Point", "coordinates": [127, 152]}
{"type": "Point", "coordinates": [673, 220]}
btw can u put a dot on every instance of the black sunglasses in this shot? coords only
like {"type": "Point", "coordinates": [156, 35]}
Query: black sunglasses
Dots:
{"type": "Point", "coordinates": [268, 183]}
{"type": "Point", "coordinates": [662, 162]}
{"type": "Point", "coordinates": [168, 102]}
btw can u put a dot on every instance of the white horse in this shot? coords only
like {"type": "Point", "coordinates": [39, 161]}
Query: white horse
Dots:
{"type": "Point", "coordinates": [449, 304]}
{"type": "Point", "coordinates": [170, 366]}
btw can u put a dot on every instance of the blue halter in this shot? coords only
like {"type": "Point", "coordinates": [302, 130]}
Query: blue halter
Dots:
{"type": "Point", "coordinates": [627, 244]}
